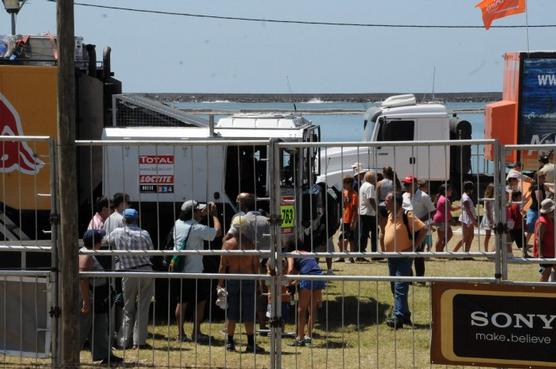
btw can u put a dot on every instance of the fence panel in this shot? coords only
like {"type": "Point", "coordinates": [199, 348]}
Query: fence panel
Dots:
{"type": "Point", "coordinates": [27, 284]}
{"type": "Point", "coordinates": [529, 182]}
{"type": "Point", "coordinates": [347, 321]}
{"type": "Point", "coordinates": [338, 317]}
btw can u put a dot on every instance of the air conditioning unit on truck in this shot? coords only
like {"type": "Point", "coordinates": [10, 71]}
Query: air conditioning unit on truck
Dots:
{"type": "Point", "coordinates": [401, 118]}
{"type": "Point", "coordinates": [160, 177]}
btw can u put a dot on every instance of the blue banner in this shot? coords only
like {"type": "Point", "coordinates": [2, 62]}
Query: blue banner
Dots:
{"type": "Point", "coordinates": [537, 116]}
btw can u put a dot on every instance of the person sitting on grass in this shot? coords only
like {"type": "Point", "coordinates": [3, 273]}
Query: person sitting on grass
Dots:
{"type": "Point", "coordinates": [310, 295]}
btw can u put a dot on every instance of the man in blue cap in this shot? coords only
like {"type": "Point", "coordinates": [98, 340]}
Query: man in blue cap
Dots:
{"type": "Point", "coordinates": [138, 292]}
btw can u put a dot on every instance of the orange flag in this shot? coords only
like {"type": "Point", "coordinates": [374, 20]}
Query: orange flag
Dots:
{"type": "Point", "coordinates": [494, 9]}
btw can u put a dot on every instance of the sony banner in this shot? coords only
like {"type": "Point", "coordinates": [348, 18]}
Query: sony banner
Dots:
{"type": "Point", "coordinates": [494, 325]}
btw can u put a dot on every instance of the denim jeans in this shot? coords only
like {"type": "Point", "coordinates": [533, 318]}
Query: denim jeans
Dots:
{"type": "Point", "coordinates": [400, 267]}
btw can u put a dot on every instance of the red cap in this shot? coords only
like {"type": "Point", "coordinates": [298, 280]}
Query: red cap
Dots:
{"type": "Point", "coordinates": [409, 180]}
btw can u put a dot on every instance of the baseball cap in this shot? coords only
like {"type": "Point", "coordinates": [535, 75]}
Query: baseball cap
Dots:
{"type": "Point", "coordinates": [92, 236]}
{"type": "Point", "coordinates": [409, 180]}
{"type": "Point", "coordinates": [131, 213]}
{"type": "Point", "coordinates": [543, 158]}
{"type": "Point", "coordinates": [190, 205]}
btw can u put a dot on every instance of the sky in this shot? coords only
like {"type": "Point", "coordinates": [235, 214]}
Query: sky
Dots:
{"type": "Point", "coordinates": [162, 53]}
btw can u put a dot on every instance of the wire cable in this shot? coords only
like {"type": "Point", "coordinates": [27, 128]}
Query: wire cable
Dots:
{"type": "Point", "coordinates": [300, 22]}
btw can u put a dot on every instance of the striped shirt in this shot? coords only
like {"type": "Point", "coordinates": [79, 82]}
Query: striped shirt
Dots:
{"type": "Point", "coordinates": [131, 237]}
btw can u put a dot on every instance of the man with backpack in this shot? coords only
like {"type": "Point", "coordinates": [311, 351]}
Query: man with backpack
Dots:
{"type": "Point", "coordinates": [401, 231]}
{"type": "Point", "coordinates": [329, 221]}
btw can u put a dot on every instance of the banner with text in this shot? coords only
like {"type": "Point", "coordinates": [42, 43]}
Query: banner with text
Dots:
{"type": "Point", "coordinates": [493, 325]}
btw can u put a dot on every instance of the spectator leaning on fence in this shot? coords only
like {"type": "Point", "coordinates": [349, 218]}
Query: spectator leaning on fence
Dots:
{"type": "Point", "coordinates": [241, 293]}
{"type": "Point", "coordinates": [95, 301]}
{"type": "Point", "coordinates": [397, 239]}
{"type": "Point", "coordinates": [544, 237]}
{"type": "Point", "coordinates": [137, 291]}
{"type": "Point", "coordinates": [189, 234]}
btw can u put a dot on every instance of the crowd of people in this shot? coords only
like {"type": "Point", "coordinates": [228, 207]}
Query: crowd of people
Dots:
{"type": "Point", "coordinates": [374, 208]}
{"type": "Point", "coordinates": [128, 300]}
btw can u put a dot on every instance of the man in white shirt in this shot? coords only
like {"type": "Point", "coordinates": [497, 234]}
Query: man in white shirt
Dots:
{"type": "Point", "coordinates": [419, 202]}
{"type": "Point", "coordinates": [120, 201]}
{"type": "Point", "coordinates": [367, 212]}
{"type": "Point", "coordinates": [189, 234]}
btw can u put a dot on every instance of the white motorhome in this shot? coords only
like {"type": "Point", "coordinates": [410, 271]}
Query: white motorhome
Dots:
{"type": "Point", "coordinates": [160, 177]}
{"type": "Point", "coordinates": [401, 118]}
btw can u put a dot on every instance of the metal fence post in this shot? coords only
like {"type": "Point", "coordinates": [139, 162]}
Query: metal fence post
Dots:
{"type": "Point", "coordinates": [501, 263]}
{"type": "Point", "coordinates": [275, 257]}
{"type": "Point", "coordinates": [54, 224]}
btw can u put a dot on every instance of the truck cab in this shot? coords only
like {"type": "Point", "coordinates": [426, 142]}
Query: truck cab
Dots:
{"type": "Point", "coordinates": [401, 118]}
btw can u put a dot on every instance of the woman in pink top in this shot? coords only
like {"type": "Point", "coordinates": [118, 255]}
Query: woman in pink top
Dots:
{"type": "Point", "coordinates": [442, 217]}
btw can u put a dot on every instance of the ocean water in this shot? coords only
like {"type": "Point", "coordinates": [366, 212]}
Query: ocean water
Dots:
{"type": "Point", "coordinates": [337, 127]}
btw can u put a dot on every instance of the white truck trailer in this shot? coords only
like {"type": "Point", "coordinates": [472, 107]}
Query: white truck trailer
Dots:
{"type": "Point", "coordinates": [160, 177]}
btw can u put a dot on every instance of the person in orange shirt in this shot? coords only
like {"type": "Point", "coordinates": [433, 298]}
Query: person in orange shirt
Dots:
{"type": "Point", "coordinates": [402, 233]}
{"type": "Point", "coordinates": [350, 203]}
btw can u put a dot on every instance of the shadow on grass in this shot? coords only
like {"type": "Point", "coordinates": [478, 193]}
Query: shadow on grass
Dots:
{"type": "Point", "coordinates": [343, 312]}
{"type": "Point", "coordinates": [332, 345]}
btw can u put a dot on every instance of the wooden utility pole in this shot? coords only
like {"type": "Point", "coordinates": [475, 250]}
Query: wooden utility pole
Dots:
{"type": "Point", "coordinates": [67, 185]}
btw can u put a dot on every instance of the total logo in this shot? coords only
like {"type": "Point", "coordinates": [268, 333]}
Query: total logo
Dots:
{"type": "Point", "coordinates": [15, 155]}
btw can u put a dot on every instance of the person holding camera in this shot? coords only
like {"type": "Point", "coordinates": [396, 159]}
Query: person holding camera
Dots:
{"type": "Point", "coordinates": [190, 234]}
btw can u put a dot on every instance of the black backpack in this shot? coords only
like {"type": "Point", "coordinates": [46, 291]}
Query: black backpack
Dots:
{"type": "Point", "coordinates": [331, 204]}
{"type": "Point", "coordinates": [406, 222]}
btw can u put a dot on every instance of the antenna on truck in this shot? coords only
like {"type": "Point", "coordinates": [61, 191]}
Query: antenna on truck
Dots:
{"type": "Point", "coordinates": [291, 93]}
{"type": "Point", "coordinates": [433, 81]}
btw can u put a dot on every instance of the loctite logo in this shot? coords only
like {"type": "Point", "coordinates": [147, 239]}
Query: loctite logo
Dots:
{"type": "Point", "coordinates": [15, 155]}
{"type": "Point", "coordinates": [156, 179]}
{"type": "Point", "coordinates": [156, 159]}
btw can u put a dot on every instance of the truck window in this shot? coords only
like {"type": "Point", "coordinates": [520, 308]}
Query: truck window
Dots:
{"type": "Point", "coordinates": [246, 171]}
{"type": "Point", "coordinates": [397, 130]}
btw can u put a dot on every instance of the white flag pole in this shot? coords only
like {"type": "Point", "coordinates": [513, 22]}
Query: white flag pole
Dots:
{"type": "Point", "coordinates": [527, 25]}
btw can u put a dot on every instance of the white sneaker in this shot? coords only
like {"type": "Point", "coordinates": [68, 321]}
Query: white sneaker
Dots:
{"type": "Point", "coordinates": [330, 272]}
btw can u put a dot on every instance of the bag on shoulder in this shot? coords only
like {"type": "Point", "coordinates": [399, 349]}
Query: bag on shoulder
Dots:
{"type": "Point", "coordinates": [177, 262]}
{"type": "Point", "coordinates": [410, 235]}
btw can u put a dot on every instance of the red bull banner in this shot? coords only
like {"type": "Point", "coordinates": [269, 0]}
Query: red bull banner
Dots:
{"type": "Point", "coordinates": [27, 108]}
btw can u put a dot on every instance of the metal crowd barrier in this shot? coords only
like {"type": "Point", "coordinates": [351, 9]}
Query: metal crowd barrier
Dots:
{"type": "Point", "coordinates": [350, 328]}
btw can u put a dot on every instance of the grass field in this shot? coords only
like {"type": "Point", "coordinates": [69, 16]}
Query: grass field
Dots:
{"type": "Point", "coordinates": [350, 333]}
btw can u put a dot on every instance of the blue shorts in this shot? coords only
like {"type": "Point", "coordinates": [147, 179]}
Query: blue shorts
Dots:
{"type": "Point", "coordinates": [312, 285]}
{"type": "Point", "coordinates": [241, 300]}
{"type": "Point", "coordinates": [532, 216]}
